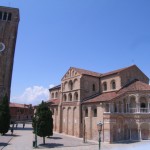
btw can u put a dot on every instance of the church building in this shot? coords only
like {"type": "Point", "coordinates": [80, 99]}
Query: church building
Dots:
{"type": "Point", "coordinates": [120, 99]}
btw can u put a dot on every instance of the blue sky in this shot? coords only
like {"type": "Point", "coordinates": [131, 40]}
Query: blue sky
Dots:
{"type": "Point", "coordinates": [97, 35]}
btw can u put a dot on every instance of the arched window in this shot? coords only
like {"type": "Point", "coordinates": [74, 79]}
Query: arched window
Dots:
{"type": "Point", "coordinates": [75, 84]}
{"type": "Point", "coordinates": [107, 109]}
{"type": "Point", "coordinates": [86, 112]}
{"type": "Point", "coordinates": [95, 112]}
{"type": "Point", "coordinates": [105, 86]}
{"type": "Point", "coordinates": [52, 95]}
{"type": "Point", "coordinates": [93, 87]}
{"type": "Point", "coordinates": [1, 15]}
{"type": "Point", "coordinates": [9, 16]}
{"type": "Point", "coordinates": [75, 96]}
{"type": "Point", "coordinates": [70, 97]}
{"type": "Point", "coordinates": [113, 84]}
{"type": "Point", "coordinates": [5, 16]}
{"type": "Point", "coordinates": [56, 95]}
{"type": "Point", "coordinates": [143, 105]}
{"type": "Point", "coordinates": [65, 86]}
{"type": "Point", "coordinates": [72, 73]}
{"type": "Point", "coordinates": [65, 97]}
{"type": "Point", "coordinates": [132, 102]}
{"type": "Point", "coordinates": [70, 85]}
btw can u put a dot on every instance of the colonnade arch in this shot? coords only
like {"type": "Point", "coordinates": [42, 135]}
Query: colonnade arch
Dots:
{"type": "Point", "coordinates": [70, 85]}
{"type": "Point", "coordinates": [129, 104]}
{"type": "Point", "coordinates": [70, 120]}
{"type": "Point", "coordinates": [145, 131]}
{"type": "Point", "coordinates": [73, 96]}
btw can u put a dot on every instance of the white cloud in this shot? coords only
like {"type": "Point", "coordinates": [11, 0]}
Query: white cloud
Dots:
{"type": "Point", "coordinates": [51, 85]}
{"type": "Point", "coordinates": [32, 95]}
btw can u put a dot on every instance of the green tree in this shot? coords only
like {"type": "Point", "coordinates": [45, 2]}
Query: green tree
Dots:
{"type": "Point", "coordinates": [4, 115]}
{"type": "Point", "coordinates": [43, 121]}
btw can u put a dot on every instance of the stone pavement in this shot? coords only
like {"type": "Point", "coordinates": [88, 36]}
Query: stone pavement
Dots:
{"type": "Point", "coordinates": [4, 140]}
{"type": "Point", "coordinates": [23, 140]}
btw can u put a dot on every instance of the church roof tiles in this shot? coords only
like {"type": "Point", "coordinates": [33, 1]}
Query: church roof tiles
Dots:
{"type": "Point", "coordinates": [116, 71]}
{"type": "Point", "coordinates": [86, 72]}
{"type": "Point", "coordinates": [54, 101]}
{"type": "Point", "coordinates": [19, 105]}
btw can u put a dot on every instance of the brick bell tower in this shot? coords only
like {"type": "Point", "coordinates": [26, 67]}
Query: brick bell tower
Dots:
{"type": "Point", "coordinates": [9, 19]}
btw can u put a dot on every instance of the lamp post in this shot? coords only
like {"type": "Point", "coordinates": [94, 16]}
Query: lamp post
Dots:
{"type": "Point", "coordinates": [36, 120]}
{"type": "Point", "coordinates": [99, 128]}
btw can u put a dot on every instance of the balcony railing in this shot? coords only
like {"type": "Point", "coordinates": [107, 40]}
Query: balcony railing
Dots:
{"type": "Point", "coordinates": [133, 110]}
{"type": "Point", "coordinates": [140, 110]}
{"type": "Point", "coordinates": [144, 110]}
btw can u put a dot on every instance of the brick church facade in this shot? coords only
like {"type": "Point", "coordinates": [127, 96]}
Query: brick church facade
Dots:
{"type": "Point", "coordinates": [120, 99]}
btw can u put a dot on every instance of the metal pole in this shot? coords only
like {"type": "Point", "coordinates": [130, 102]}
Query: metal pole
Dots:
{"type": "Point", "coordinates": [99, 140]}
{"type": "Point", "coordinates": [36, 136]}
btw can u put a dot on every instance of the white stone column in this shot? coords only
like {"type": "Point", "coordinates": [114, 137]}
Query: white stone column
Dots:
{"type": "Point", "coordinates": [140, 134]}
{"type": "Point", "coordinates": [122, 108]}
{"type": "Point", "coordinates": [126, 107]}
{"type": "Point", "coordinates": [137, 107]}
{"type": "Point", "coordinates": [117, 107]}
{"type": "Point", "coordinates": [137, 103]}
{"type": "Point", "coordinates": [112, 107]}
{"type": "Point", "coordinates": [148, 107]}
{"type": "Point", "coordinates": [109, 108]}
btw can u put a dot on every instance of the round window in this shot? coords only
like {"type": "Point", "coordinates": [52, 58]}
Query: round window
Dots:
{"type": "Point", "coordinates": [2, 46]}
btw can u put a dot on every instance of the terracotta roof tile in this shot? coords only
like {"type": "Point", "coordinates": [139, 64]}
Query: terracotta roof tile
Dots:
{"type": "Point", "coordinates": [55, 87]}
{"type": "Point", "coordinates": [54, 101]}
{"type": "Point", "coordinates": [102, 97]}
{"type": "Point", "coordinates": [134, 86]}
{"type": "Point", "coordinates": [19, 105]}
{"type": "Point", "coordinates": [116, 71]}
{"type": "Point", "coordinates": [86, 72]}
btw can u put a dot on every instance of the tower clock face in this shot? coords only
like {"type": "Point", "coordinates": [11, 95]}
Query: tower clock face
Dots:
{"type": "Point", "coordinates": [2, 46]}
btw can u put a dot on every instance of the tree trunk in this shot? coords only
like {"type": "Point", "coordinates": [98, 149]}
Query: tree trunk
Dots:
{"type": "Point", "coordinates": [44, 140]}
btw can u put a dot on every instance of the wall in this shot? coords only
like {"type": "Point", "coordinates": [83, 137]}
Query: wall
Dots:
{"type": "Point", "coordinates": [71, 120]}
{"type": "Point", "coordinates": [91, 121]}
{"type": "Point", "coordinates": [86, 86]}
{"type": "Point", "coordinates": [133, 73]}
{"type": "Point", "coordinates": [53, 92]}
{"type": "Point", "coordinates": [108, 80]}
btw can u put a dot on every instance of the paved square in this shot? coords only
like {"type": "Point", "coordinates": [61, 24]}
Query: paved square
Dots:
{"type": "Point", "coordinates": [23, 140]}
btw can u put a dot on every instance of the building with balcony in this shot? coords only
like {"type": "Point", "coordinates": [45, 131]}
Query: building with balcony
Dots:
{"type": "Point", "coordinates": [120, 99]}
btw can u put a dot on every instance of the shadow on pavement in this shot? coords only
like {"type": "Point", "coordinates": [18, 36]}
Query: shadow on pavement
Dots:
{"type": "Point", "coordinates": [56, 138]}
{"type": "Point", "coordinates": [51, 145]}
{"type": "Point", "coordinates": [3, 144]}
{"type": "Point", "coordinates": [125, 142]}
{"type": "Point", "coordinates": [15, 135]}
{"type": "Point", "coordinates": [6, 135]}
{"type": "Point", "coordinates": [19, 128]}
